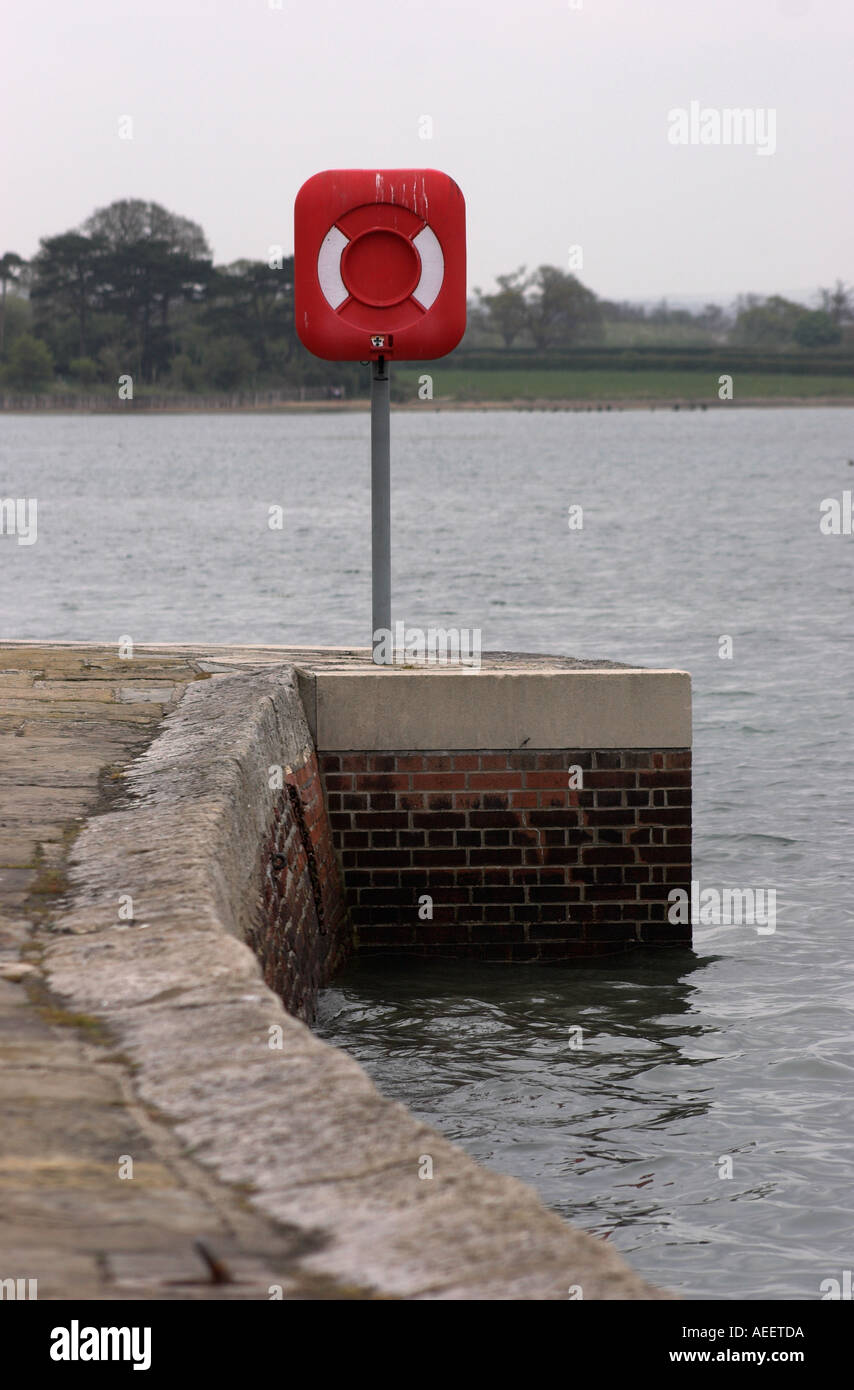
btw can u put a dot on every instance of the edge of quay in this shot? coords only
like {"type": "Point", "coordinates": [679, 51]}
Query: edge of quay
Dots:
{"type": "Point", "coordinates": [215, 856]}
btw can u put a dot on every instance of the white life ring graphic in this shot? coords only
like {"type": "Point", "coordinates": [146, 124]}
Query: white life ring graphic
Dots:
{"type": "Point", "coordinates": [413, 266]}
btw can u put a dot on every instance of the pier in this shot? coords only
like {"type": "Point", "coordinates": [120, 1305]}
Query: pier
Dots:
{"type": "Point", "coordinates": [195, 838]}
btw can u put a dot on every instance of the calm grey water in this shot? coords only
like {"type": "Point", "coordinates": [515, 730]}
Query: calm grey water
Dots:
{"type": "Point", "coordinates": [696, 526]}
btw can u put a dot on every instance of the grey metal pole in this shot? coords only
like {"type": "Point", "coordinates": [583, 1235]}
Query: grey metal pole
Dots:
{"type": "Point", "coordinates": [380, 509]}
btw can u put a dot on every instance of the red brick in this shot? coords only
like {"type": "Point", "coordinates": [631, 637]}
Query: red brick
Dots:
{"type": "Point", "coordinates": [552, 854]}
{"type": "Point", "coordinates": [521, 837]}
{"type": "Point", "coordinates": [637, 798]}
{"type": "Point", "coordinates": [386, 878]}
{"type": "Point", "coordinates": [381, 820]}
{"type": "Point", "coordinates": [436, 858]}
{"type": "Point", "coordinates": [604, 797]}
{"type": "Point", "coordinates": [494, 820]}
{"type": "Point", "coordinates": [606, 892]}
{"type": "Point", "coordinates": [383, 782]}
{"type": "Point", "coordinates": [615, 876]}
{"type": "Point", "coordinates": [611, 816]}
{"type": "Point", "coordinates": [664, 854]}
{"type": "Point", "coordinates": [557, 778]}
{"type": "Point", "coordinates": [640, 835]}
{"type": "Point", "coordinates": [518, 830]}
{"type": "Point", "coordinates": [659, 816]}
{"type": "Point", "coordinates": [409, 762]}
{"type": "Point", "coordinates": [495, 782]}
{"type": "Point", "coordinates": [679, 759]}
{"type": "Point", "coordinates": [436, 838]}
{"type": "Point", "coordinates": [547, 894]}
{"type": "Point", "coordinates": [674, 873]}
{"type": "Point", "coordinates": [386, 858]}
{"type": "Point", "coordinates": [410, 839]}
{"type": "Point", "coordinates": [489, 895]}
{"type": "Point", "coordinates": [637, 758]}
{"type": "Point", "coordinates": [380, 897]}
{"type": "Point", "coordinates": [523, 760]}
{"type": "Point", "coordinates": [562, 760]}
{"type": "Point", "coordinates": [493, 856]}
{"type": "Point", "coordinates": [377, 838]}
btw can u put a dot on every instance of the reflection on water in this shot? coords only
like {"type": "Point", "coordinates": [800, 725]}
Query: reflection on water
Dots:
{"type": "Point", "coordinates": [629, 1134]}
{"type": "Point", "coordinates": [553, 1074]}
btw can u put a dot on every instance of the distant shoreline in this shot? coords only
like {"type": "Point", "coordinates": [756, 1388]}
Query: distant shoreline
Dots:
{"type": "Point", "coordinates": [362, 406]}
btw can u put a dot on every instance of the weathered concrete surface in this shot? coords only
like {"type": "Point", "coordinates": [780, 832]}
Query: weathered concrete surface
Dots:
{"type": "Point", "coordinates": [67, 1097]}
{"type": "Point", "coordinates": [397, 708]}
{"type": "Point", "coordinates": [288, 1160]}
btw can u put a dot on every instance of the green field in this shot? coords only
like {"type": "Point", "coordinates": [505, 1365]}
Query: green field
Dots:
{"type": "Point", "coordinates": [670, 335]}
{"type": "Point", "coordinates": [457, 384]}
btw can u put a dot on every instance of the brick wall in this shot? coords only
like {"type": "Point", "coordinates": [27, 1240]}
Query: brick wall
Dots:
{"type": "Point", "coordinates": [305, 934]}
{"type": "Point", "coordinates": [519, 865]}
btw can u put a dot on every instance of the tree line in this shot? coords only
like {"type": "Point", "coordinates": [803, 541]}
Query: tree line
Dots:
{"type": "Point", "coordinates": [134, 291]}
{"type": "Point", "coordinates": [550, 309]}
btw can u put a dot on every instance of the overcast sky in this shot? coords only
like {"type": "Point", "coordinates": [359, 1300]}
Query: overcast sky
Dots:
{"type": "Point", "coordinates": [553, 118]}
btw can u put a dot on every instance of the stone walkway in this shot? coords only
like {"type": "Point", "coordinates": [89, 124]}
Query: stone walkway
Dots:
{"type": "Point", "coordinates": [71, 718]}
